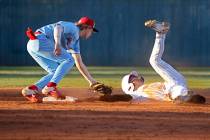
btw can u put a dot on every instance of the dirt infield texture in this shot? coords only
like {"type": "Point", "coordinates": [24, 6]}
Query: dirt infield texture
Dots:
{"type": "Point", "coordinates": [96, 118]}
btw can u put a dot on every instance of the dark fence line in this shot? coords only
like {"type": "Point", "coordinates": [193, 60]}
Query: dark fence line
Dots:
{"type": "Point", "coordinates": [123, 40]}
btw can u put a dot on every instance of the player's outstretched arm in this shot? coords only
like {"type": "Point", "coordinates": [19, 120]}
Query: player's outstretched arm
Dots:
{"type": "Point", "coordinates": [94, 85]}
{"type": "Point", "coordinates": [83, 69]}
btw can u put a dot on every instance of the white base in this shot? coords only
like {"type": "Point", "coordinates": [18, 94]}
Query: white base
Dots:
{"type": "Point", "coordinates": [67, 99]}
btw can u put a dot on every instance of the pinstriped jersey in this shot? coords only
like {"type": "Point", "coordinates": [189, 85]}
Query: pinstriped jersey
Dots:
{"type": "Point", "coordinates": [155, 91]}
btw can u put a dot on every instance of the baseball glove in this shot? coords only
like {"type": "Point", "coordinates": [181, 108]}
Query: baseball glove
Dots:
{"type": "Point", "coordinates": [101, 88]}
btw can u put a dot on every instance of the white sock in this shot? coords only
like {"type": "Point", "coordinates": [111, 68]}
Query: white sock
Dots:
{"type": "Point", "coordinates": [160, 35]}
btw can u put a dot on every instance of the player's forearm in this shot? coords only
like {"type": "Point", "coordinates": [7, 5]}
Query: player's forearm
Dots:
{"type": "Point", "coordinates": [85, 73]}
{"type": "Point", "coordinates": [58, 30]}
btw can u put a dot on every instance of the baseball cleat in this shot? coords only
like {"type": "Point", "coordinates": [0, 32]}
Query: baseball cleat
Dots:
{"type": "Point", "coordinates": [51, 91]}
{"type": "Point", "coordinates": [31, 93]}
{"type": "Point", "coordinates": [160, 27]}
{"type": "Point", "coordinates": [190, 98]}
{"type": "Point", "coordinates": [197, 99]}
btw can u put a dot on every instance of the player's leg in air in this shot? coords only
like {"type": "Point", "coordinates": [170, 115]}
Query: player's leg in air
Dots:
{"type": "Point", "coordinates": [175, 83]}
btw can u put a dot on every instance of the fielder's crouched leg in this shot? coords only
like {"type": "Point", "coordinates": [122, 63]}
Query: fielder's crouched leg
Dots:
{"type": "Point", "coordinates": [51, 90]}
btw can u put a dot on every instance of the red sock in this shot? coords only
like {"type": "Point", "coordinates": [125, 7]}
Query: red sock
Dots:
{"type": "Point", "coordinates": [51, 84]}
{"type": "Point", "coordinates": [33, 87]}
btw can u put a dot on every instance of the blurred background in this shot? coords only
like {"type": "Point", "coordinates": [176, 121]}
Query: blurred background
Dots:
{"type": "Point", "coordinates": [123, 40]}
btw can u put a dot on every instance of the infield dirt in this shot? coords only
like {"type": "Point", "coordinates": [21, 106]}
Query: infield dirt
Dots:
{"type": "Point", "coordinates": [97, 118]}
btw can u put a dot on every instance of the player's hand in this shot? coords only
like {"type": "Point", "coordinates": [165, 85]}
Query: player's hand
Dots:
{"type": "Point", "coordinates": [101, 88]}
{"type": "Point", "coordinates": [57, 50]}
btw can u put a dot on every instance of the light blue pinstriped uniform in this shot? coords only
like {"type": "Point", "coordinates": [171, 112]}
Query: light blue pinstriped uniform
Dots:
{"type": "Point", "coordinates": [42, 51]}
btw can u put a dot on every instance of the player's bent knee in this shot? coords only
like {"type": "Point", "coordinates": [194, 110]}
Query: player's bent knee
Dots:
{"type": "Point", "coordinates": [70, 62]}
{"type": "Point", "coordinates": [154, 61]}
{"type": "Point", "coordinates": [178, 90]}
{"type": "Point", "coordinates": [51, 71]}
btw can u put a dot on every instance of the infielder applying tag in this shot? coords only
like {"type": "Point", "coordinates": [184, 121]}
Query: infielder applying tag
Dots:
{"type": "Point", "coordinates": [56, 48]}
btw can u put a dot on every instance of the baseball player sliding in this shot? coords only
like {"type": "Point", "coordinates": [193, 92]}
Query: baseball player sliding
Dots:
{"type": "Point", "coordinates": [173, 89]}
{"type": "Point", "coordinates": [55, 47]}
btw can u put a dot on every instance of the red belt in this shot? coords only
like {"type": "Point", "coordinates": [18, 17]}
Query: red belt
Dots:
{"type": "Point", "coordinates": [32, 35]}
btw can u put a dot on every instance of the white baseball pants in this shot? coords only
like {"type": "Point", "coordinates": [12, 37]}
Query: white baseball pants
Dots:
{"type": "Point", "coordinates": [175, 83]}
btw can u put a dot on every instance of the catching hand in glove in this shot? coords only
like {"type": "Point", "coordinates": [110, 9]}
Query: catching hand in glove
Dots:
{"type": "Point", "coordinates": [101, 88]}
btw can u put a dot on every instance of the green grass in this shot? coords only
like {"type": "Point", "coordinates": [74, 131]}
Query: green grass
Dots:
{"type": "Point", "coordinates": [11, 77]}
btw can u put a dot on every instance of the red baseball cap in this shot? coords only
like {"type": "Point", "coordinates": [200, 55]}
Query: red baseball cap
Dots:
{"type": "Point", "coordinates": [88, 21]}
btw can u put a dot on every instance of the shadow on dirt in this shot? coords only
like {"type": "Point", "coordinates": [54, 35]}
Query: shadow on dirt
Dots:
{"type": "Point", "coordinates": [115, 98]}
